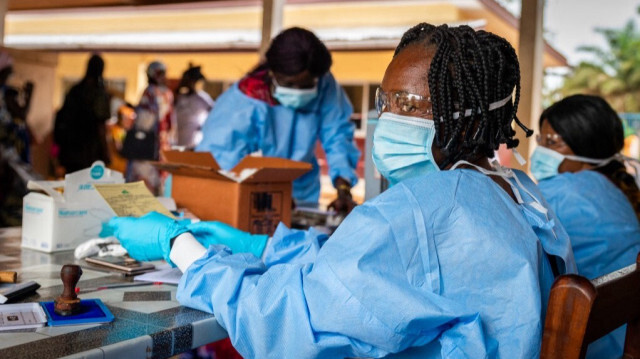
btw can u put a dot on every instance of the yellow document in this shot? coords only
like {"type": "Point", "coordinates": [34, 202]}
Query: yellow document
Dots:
{"type": "Point", "coordinates": [131, 199]}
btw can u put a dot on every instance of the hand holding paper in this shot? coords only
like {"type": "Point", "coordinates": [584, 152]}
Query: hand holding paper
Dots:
{"type": "Point", "coordinates": [147, 238]}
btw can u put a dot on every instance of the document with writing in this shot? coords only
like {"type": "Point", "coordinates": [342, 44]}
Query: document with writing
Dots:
{"type": "Point", "coordinates": [131, 199]}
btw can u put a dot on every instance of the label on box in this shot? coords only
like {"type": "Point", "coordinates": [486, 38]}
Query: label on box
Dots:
{"type": "Point", "coordinates": [264, 215]}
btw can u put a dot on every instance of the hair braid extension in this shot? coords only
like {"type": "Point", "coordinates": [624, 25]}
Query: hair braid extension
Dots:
{"type": "Point", "coordinates": [459, 89]}
{"type": "Point", "coordinates": [469, 70]}
{"type": "Point", "coordinates": [459, 67]}
{"type": "Point", "coordinates": [443, 106]}
{"type": "Point", "coordinates": [473, 93]}
{"type": "Point", "coordinates": [484, 105]}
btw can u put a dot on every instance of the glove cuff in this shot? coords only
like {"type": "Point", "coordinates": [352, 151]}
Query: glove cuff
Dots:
{"type": "Point", "coordinates": [174, 230]}
{"type": "Point", "coordinates": [258, 242]}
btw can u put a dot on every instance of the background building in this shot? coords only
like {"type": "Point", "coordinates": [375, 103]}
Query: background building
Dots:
{"type": "Point", "coordinates": [224, 38]}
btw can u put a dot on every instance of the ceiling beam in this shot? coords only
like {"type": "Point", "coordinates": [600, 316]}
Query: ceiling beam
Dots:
{"type": "Point", "coordinates": [21, 5]}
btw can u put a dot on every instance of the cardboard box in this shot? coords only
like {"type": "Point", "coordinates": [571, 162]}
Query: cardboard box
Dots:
{"type": "Point", "coordinates": [254, 196]}
{"type": "Point", "coordinates": [53, 221]}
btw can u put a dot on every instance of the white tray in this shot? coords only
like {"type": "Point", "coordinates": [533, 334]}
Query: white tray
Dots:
{"type": "Point", "coordinates": [21, 316]}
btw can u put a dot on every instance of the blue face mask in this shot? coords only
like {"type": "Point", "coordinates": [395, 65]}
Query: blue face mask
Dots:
{"type": "Point", "coordinates": [545, 163]}
{"type": "Point", "coordinates": [402, 147]}
{"type": "Point", "coordinates": [294, 98]}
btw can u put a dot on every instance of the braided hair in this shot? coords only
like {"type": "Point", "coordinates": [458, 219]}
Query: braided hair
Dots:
{"type": "Point", "coordinates": [469, 70]}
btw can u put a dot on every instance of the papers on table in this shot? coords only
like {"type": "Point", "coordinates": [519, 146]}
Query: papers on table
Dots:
{"type": "Point", "coordinates": [131, 199]}
{"type": "Point", "coordinates": [166, 276]}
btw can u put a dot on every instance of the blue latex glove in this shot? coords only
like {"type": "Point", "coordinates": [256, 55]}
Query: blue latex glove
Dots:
{"type": "Point", "coordinates": [147, 238]}
{"type": "Point", "coordinates": [208, 233]}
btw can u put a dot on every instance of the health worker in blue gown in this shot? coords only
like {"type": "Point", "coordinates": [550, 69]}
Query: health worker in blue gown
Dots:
{"type": "Point", "coordinates": [584, 179]}
{"type": "Point", "coordinates": [455, 260]}
{"type": "Point", "coordinates": [282, 109]}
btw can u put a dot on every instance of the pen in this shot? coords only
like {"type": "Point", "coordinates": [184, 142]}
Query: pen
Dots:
{"type": "Point", "coordinates": [116, 285]}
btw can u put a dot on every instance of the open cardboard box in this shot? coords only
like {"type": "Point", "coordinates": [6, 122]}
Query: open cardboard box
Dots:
{"type": "Point", "coordinates": [254, 196]}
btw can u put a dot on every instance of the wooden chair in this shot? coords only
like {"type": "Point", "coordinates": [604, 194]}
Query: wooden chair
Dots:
{"type": "Point", "coordinates": [581, 311]}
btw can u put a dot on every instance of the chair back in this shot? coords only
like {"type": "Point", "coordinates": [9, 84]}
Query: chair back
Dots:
{"type": "Point", "coordinates": [581, 311]}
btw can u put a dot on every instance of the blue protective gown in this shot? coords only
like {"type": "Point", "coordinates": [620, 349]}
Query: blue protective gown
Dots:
{"type": "Point", "coordinates": [239, 125]}
{"type": "Point", "coordinates": [604, 233]}
{"type": "Point", "coordinates": [443, 265]}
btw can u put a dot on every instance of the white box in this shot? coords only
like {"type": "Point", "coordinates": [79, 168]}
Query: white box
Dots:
{"type": "Point", "coordinates": [53, 222]}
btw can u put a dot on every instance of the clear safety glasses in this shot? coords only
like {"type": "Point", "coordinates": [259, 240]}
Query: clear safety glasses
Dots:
{"type": "Point", "coordinates": [408, 104]}
{"type": "Point", "coordinates": [549, 140]}
{"type": "Point", "coordinates": [403, 103]}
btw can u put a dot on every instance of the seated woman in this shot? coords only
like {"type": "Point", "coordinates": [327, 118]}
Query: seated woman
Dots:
{"type": "Point", "coordinates": [456, 259]}
{"type": "Point", "coordinates": [585, 182]}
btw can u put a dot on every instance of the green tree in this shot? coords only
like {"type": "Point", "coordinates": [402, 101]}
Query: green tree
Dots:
{"type": "Point", "coordinates": [614, 72]}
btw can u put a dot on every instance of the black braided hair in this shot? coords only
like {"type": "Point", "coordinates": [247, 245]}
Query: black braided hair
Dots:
{"type": "Point", "coordinates": [469, 70]}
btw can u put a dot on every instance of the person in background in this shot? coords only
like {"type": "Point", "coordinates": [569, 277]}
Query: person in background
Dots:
{"type": "Point", "coordinates": [79, 129]}
{"type": "Point", "coordinates": [282, 108]}
{"type": "Point", "coordinates": [116, 134]}
{"type": "Point", "coordinates": [456, 259]}
{"type": "Point", "coordinates": [631, 141]}
{"type": "Point", "coordinates": [15, 142]}
{"type": "Point", "coordinates": [155, 117]}
{"type": "Point", "coordinates": [192, 107]}
{"type": "Point", "coordinates": [584, 179]}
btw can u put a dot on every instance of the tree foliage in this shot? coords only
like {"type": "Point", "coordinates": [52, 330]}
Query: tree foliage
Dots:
{"type": "Point", "coordinates": [614, 72]}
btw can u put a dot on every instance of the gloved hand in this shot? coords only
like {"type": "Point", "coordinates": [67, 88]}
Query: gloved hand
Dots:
{"type": "Point", "coordinates": [208, 233]}
{"type": "Point", "coordinates": [344, 204]}
{"type": "Point", "coordinates": [147, 238]}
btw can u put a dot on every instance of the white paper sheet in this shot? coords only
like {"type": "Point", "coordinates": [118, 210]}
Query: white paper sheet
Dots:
{"type": "Point", "coordinates": [166, 276]}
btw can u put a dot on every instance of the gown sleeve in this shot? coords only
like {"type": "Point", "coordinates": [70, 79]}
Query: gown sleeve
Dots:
{"type": "Point", "coordinates": [336, 132]}
{"type": "Point", "coordinates": [230, 132]}
{"type": "Point", "coordinates": [354, 300]}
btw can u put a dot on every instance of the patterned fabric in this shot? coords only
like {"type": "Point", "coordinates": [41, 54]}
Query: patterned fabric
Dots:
{"type": "Point", "coordinates": [157, 100]}
{"type": "Point", "coordinates": [257, 85]}
{"type": "Point", "coordinates": [192, 110]}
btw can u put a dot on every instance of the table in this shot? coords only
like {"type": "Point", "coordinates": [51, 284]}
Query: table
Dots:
{"type": "Point", "coordinates": [149, 322]}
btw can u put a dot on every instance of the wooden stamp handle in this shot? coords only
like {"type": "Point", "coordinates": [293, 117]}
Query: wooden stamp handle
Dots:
{"type": "Point", "coordinates": [70, 275]}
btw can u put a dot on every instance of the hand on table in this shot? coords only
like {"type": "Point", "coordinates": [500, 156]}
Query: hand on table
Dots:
{"type": "Point", "coordinates": [208, 233]}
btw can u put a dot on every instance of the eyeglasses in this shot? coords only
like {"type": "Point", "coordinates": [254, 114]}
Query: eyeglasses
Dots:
{"type": "Point", "coordinates": [403, 103]}
{"type": "Point", "coordinates": [549, 140]}
{"type": "Point", "coordinates": [306, 86]}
